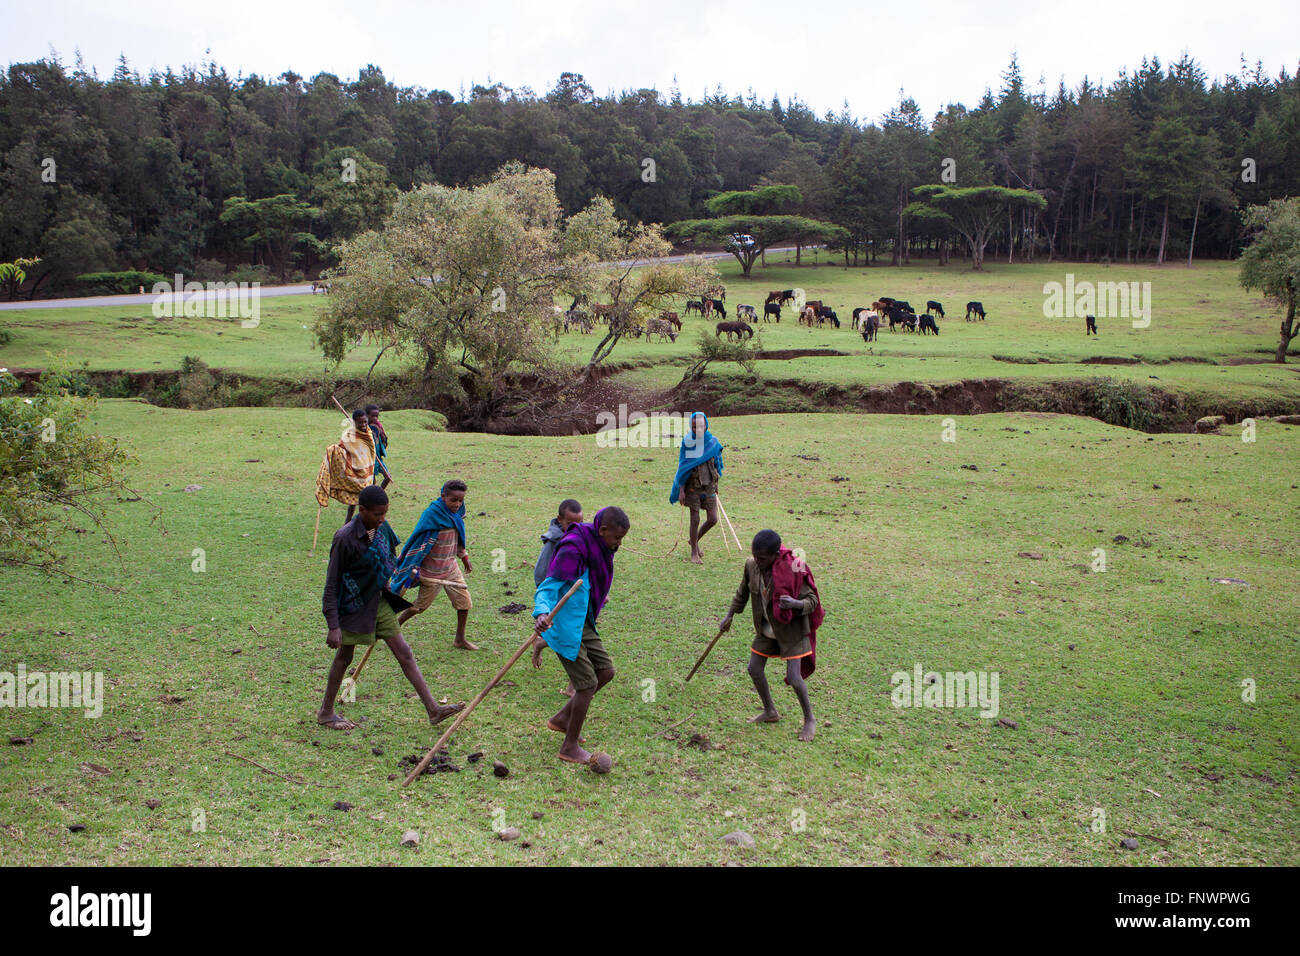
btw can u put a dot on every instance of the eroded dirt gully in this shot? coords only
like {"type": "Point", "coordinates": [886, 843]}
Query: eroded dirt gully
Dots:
{"type": "Point", "coordinates": [577, 407]}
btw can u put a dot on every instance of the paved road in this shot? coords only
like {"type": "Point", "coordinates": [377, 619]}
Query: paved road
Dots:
{"type": "Point", "coordinates": [266, 291]}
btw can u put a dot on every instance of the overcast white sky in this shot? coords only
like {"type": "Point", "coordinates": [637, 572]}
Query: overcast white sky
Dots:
{"type": "Point", "coordinates": [938, 51]}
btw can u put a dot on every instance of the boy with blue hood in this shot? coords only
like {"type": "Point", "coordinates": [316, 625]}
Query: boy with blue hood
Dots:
{"type": "Point", "coordinates": [699, 469]}
{"type": "Point", "coordinates": [429, 559]}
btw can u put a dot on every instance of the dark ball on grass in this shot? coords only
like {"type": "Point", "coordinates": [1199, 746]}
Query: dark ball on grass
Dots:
{"type": "Point", "coordinates": [601, 763]}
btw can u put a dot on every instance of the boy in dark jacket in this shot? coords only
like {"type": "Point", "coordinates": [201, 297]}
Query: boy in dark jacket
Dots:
{"type": "Point", "coordinates": [359, 608]}
{"type": "Point", "coordinates": [787, 612]}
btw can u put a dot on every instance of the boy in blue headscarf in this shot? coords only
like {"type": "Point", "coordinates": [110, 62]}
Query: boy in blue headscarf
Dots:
{"type": "Point", "coordinates": [699, 468]}
{"type": "Point", "coordinates": [429, 559]}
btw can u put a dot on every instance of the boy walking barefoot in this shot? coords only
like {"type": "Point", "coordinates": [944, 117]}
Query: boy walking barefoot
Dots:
{"type": "Point", "coordinates": [586, 553]}
{"type": "Point", "coordinates": [699, 469]}
{"type": "Point", "coordinates": [359, 608]}
{"type": "Point", "coordinates": [787, 612]}
{"type": "Point", "coordinates": [429, 559]}
{"type": "Point", "coordinates": [569, 514]}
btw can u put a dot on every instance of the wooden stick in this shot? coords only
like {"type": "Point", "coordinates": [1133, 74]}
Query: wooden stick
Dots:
{"type": "Point", "coordinates": [702, 656]}
{"type": "Point", "coordinates": [729, 525]}
{"type": "Point", "coordinates": [460, 718]}
{"type": "Point", "coordinates": [671, 727]}
{"type": "Point", "coordinates": [357, 673]}
{"type": "Point", "coordinates": [316, 534]}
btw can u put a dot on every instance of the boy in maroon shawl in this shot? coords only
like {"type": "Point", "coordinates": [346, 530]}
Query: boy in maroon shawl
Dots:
{"type": "Point", "coordinates": [787, 611]}
{"type": "Point", "coordinates": [585, 553]}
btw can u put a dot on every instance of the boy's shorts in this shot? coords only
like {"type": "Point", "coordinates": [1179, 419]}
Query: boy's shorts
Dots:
{"type": "Point", "coordinates": [697, 497]}
{"type": "Point", "coordinates": [591, 658]}
{"type": "Point", "coordinates": [385, 628]}
{"type": "Point", "coordinates": [768, 645]}
{"type": "Point", "coordinates": [459, 595]}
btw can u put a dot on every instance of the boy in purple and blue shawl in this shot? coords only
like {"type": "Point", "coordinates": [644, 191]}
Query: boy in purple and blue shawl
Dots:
{"type": "Point", "coordinates": [585, 554]}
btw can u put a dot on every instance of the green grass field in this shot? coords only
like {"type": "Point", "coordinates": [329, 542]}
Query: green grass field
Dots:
{"type": "Point", "coordinates": [1205, 337]}
{"type": "Point", "coordinates": [1125, 687]}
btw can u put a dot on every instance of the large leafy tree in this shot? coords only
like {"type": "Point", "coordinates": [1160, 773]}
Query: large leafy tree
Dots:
{"type": "Point", "coordinates": [464, 281]}
{"type": "Point", "coordinates": [1271, 263]}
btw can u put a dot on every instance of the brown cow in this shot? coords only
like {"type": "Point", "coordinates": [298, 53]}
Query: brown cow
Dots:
{"type": "Point", "coordinates": [734, 330]}
{"type": "Point", "coordinates": [672, 318]}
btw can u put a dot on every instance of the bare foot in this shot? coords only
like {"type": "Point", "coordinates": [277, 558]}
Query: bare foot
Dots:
{"type": "Point", "coordinates": [461, 644]}
{"type": "Point", "coordinates": [334, 722]}
{"type": "Point", "coordinates": [552, 725]}
{"type": "Point", "coordinates": [444, 711]}
{"type": "Point", "coordinates": [766, 717]}
{"type": "Point", "coordinates": [696, 557]}
{"type": "Point", "coordinates": [568, 690]}
{"type": "Point", "coordinates": [576, 755]}
{"type": "Point", "coordinates": [809, 730]}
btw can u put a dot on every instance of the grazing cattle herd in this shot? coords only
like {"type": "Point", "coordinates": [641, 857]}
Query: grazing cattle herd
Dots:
{"type": "Point", "coordinates": [867, 320]}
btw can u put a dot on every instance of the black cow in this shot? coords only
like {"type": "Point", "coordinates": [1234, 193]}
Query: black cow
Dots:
{"type": "Point", "coordinates": [976, 309]}
{"type": "Point", "coordinates": [697, 306]}
{"type": "Point", "coordinates": [772, 308]}
{"type": "Point", "coordinates": [1091, 328]}
{"type": "Point", "coordinates": [905, 306]}
{"type": "Point", "coordinates": [935, 307]}
{"type": "Point", "coordinates": [927, 324]}
{"type": "Point", "coordinates": [898, 316]}
{"type": "Point", "coordinates": [787, 297]}
{"type": "Point", "coordinates": [746, 312]}
{"type": "Point", "coordinates": [826, 312]}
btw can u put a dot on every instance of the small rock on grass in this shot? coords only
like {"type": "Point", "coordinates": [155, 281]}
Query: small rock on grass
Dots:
{"type": "Point", "coordinates": [1129, 843]}
{"type": "Point", "coordinates": [509, 833]}
{"type": "Point", "coordinates": [20, 741]}
{"type": "Point", "coordinates": [1032, 555]}
{"type": "Point", "coordinates": [76, 827]}
{"type": "Point", "coordinates": [537, 814]}
{"type": "Point", "coordinates": [153, 804]}
{"type": "Point", "coordinates": [410, 838]}
{"type": "Point", "coordinates": [739, 838]}
{"type": "Point", "coordinates": [500, 769]}
{"type": "Point", "coordinates": [342, 805]}
{"type": "Point", "coordinates": [1010, 724]}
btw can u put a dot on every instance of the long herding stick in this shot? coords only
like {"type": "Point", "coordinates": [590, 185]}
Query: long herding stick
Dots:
{"type": "Point", "coordinates": [729, 525]}
{"type": "Point", "coordinates": [702, 656]}
{"type": "Point", "coordinates": [315, 534]}
{"type": "Point", "coordinates": [460, 718]}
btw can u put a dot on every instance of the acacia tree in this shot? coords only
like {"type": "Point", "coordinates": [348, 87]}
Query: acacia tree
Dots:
{"type": "Point", "coordinates": [766, 231]}
{"type": "Point", "coordinates": [275, 223]}
{"type": "Point", "coordinates": [1271, 263]}
{"type": "Point", "coordinates": [975, 211]}
{"type": "Point", "coordinates": [464, 281]}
